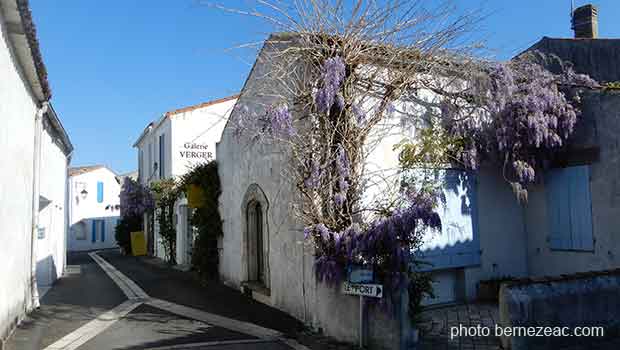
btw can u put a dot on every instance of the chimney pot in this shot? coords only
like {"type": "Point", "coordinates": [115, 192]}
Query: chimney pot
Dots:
{"type": "Point", "coordinates": [585, 22]}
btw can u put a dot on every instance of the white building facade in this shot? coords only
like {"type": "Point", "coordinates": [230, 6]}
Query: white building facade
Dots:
{"type": "Point", "coordinates": [51, 246]}
{"type": "Point", "coordinates": [169, 148]}
{"type": "Point", "coordinates": [569, 224]}
{"type": "Point", "coordinates": [34, 152]}
{"type": "Point", "coordinates": [94, 208]}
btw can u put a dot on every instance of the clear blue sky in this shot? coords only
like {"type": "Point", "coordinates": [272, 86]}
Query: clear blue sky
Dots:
{"type": "Point", "coordinates": [116, 65]}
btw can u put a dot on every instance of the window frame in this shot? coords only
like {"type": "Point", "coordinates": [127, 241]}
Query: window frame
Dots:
{"type": "Point", "coordinates": [568, 194]}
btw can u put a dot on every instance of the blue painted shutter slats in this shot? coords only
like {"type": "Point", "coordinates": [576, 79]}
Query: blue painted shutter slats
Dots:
{"type": "Point", "coordinates": [162, 148]}
{"type": "Point", "coordinates": [581, 208]}
{"type": "Point", "coordinates": [94, 231]}
{"type": "Point", "coordinates": [100, 192]}
{"type": "Point", "coordinates": [458, 244]}
{"type": "Point", "coordinates": [102, 230]}
{"type": "Point", "coordinates": [569, 208]}
{"type": "Point", "coordinates": [559, 209]}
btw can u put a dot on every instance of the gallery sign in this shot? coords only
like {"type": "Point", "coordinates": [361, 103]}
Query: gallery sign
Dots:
{"type": "Point", "coordinates": [196, 151]}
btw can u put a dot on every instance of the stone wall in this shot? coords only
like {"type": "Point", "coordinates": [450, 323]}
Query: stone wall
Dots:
{"type": "Point", "coordinates": [579, 300]}
{"type": "Point", "coordinates": [252, 171]}
{"type": "Point", "coordinates": [599, 127]}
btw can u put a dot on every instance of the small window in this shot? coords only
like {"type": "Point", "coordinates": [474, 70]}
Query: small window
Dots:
{"type": "Point", "coordinates": [93, 231]}
{"type": "Point", "coordinates": [100, 192]}
{"type": "Point", "coordinates": [569, 208]}
{"type": "Point", "coordinates": [140, 165]}
{"type": "Point", "coordinates": [98, 231]}
{"type": "Point", "coordinates": [162, 148]}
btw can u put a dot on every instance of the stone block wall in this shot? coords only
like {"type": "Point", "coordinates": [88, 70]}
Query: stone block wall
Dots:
{"type": "Point", "coordinates": [578, 300]}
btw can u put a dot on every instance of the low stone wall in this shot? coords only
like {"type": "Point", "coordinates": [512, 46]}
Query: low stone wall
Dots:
{"type": "Point", "coordinates": [579, 300]}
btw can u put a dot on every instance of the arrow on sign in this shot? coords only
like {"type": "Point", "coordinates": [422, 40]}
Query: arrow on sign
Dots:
{"type": "Point", "coordinates": [366, 290]}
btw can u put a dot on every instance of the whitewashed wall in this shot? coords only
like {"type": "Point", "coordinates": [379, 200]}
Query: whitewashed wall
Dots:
{"type": "Point", "coordinates": [599, 127]}
{"type": "Point", "coordinates": [293, 287]}
{"type": "Point", "coordinates": [189, 139]}
{"type": "Point", "coordinates": [17, 115]}
{"type": "Point", "coordinates": [51, 243]}
{"type": "Point", "coordinates": [83, 210]}
{"type": "Point", "coordinates": [195, 134]}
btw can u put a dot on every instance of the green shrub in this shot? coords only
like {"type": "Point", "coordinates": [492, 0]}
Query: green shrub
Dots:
{"type": "Point", "coordinates": [206, 219]}
{"type": "Point", "coordinates": [123, 229]}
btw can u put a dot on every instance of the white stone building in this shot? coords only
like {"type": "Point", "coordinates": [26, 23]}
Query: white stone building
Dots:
{"type": "Point", "coordinates": [34, 153]}
{"type": "Point", "coordinates": [168, 148]}
{"type": "Point", "coordinates": [56, 150]}
{"type": "Point", "coordinates": [94, 208]}
{"type": "Point", "coordinates": [569, 224]}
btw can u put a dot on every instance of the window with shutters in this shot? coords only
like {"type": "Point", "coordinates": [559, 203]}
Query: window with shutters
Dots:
{"type": "Point", "coordinates": [97, 230]}
{"type": "Point", "coordinates": [458, 243]}
{"type": "Point", "coordinates": [569, 208]}
{"type": "Point", "coordinates": [162, 148]}
{"type": "Point", "coordinates": [99, 192]}
{"type": "Point", "coordinates": [140, 165]}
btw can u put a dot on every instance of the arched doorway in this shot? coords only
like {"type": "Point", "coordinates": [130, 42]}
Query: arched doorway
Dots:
{"type": "Point", "coordinates": [254, 211]}
{"type": "Point", "coordinates": [256, 252]}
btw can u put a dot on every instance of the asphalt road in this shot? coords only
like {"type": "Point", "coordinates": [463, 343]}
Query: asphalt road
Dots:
{"type": "Point", "coordinates": [86, 293]}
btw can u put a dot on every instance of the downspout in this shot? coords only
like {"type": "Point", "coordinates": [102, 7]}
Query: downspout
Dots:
{"type": "Point", "coordinates": [68, 209]}
{"type": "Point", "coordinates": [38, 127]}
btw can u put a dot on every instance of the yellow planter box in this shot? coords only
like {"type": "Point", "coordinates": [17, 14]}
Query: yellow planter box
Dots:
{"type": "Point", "coordinates": [138, 243]}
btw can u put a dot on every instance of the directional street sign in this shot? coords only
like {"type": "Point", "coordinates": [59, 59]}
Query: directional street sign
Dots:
{"type": "Point", "coordinates": [360, 275]}
{"type": "Point", "coordinates": [366, 290]}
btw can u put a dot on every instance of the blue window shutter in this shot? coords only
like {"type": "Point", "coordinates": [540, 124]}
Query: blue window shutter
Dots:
{"type": "Point", "coordinates": [94, 231]}
{"type": "Point", "coordinates": [558, 209]}
{"type": "Point", "coordinates": [100, 192]}
{"type": "Point", "coordinates": [102, 230]}
{"type": "Point", "coordinates": [569, 208]}
{"type": "Point", "coordinates": [161, 155]}
{"type": "Point", "coordinates": [581, 208]}
{"type": "Point", "coordinates": [458, 244]}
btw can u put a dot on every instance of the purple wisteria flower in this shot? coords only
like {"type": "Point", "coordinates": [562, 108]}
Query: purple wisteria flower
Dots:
{"type": "Point", "coordinates": [332, 76]}
{"type": "Point", "coordinates": [527, 114]}
{"type": "Point", "coordinates": [135, 199]}
{"type": "Point", "coordinates": [360, 116]}
{"type": "Point", "coordinates": [313, 180]}
{"type": "Point", "coordinates": [342, 162]}
{"type": "Point", "coordinates": [343, 169]}
{"type": "Point", "coordinates": [279, 122]}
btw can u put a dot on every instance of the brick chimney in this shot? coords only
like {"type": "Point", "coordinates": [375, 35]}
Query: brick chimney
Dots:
{"type": "Point", "coordinates": [585, 22]}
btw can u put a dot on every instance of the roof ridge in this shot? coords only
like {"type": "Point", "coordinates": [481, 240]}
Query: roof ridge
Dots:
{"type": "Point", "coordinates": [201, 105]}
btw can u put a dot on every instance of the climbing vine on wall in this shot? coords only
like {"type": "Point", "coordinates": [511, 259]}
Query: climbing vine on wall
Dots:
{"type": "Point", "coordinates": [205, 218]}
{"type": "Point", "coordinates": [165, 193]}
{"type": "Point", "coordinates": [344, 79]}
{"type": "Point", "coordinates": [135, 200]}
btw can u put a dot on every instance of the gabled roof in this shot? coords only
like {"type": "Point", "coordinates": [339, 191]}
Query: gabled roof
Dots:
{"type": "Point", "coordinates": [154, 125]}
{"type": "Point", "coordinates": [23, 36]}
{"type": "Point", "coordinates": [84, 169]}
{"type": "Point", "coordinates": [146, 130]}
{"type": "Point", "coordinates": [201, 105]}
{"type": "Point", "coordinates": [598, 58]}
{"type": "Point", "coordinates": [60, 130]}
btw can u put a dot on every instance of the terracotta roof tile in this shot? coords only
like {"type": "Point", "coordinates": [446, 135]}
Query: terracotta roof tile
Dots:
{"type": "Point", "coordinates": [83, 169]}
{"type": "Point", "coordinates": [31, 35]}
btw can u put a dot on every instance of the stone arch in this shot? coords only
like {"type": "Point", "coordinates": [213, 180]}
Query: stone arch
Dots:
{"type": "Point", "coordinates": [254, 218]}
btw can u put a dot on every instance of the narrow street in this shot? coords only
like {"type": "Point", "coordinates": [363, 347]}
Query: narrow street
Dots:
{"type": "Point", "coordinates": [110, 301]}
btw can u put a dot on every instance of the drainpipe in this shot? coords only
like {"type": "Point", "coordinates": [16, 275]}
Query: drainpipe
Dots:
{"type": "Point", "coordinates": [67, 206]}
{"type": "Point", "coordinates": [38, 127]}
